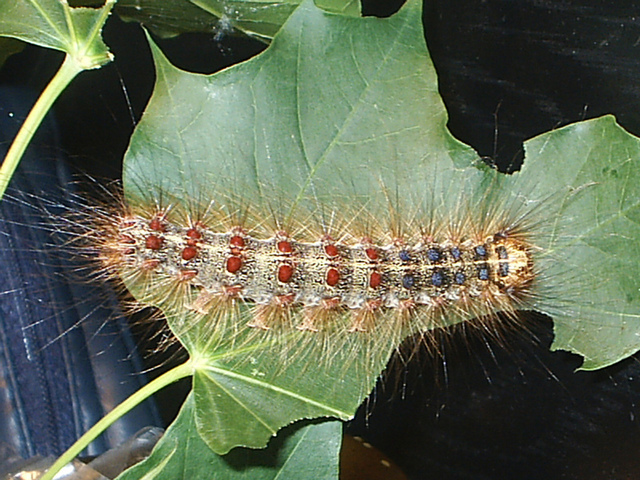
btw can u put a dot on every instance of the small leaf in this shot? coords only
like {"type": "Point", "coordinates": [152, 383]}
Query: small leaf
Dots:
{"type": "Point", "coordinates": [309, 451]}
{"type": "Point", "coordinates": [54, 24]}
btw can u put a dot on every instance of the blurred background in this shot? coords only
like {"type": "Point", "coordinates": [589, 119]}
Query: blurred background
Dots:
{"type": "Point", "coordinates": [508, 70]}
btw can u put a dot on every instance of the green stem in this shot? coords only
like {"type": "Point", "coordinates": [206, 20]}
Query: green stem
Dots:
{"type": "Point", "coordinates": [68, 70]}
{"type": "Point", "coordinates": [173, 375]}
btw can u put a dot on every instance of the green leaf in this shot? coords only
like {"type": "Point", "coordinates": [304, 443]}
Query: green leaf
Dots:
{"type": "Point", "coordinates": [590, 173]}
{"type": "Point", "coordinates": [309, 451]}
{"type": "Point", "coordinates": [54, 24]}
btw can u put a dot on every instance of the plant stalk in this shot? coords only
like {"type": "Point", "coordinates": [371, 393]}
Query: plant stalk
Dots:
{"type": "Point", "coordinates": [67, 72]}
{"type": "Point", "coordinates": [173, 375]}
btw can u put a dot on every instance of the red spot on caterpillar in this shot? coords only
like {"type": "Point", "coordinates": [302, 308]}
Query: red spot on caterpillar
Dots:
{"type": "Point", "coordinates": [189, 252]}
{"type": "Point", "coordinates": [193, 236]}
{"type": "Point", "coordinates": [285, 246]}
{"type": "Point", "coordinates": [372, 253]}
{"type": "Point", "coordinates": [234, 264]}
{"type": "Point", "coordinates": [236, 241]}
{"type": "Point", "coordinates": [375, 280]}
{"type": "Point", "coordinates": [237, 244]}
{"type": "Point", "coordinates": [285, 272]}
{"type": "Point", "coordinates": [157, 225]}
{"type": "Point", "coordinates": [153, 242]}
{"type": "Point", "coordinates": [331, 250]}
{"type": "Point", "coordinates": [194, 233]}
{"type": "Point", "coordinates": [128, 251]}
{"type": "Point", "coordinates": [333, 277]}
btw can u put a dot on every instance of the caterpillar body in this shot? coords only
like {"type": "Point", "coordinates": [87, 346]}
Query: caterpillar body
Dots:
{"type": "Point", "coordinates": [349, 283]}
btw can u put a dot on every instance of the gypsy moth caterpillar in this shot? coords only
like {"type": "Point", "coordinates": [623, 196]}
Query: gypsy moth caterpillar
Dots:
{"type": "Point", "coordinates": [292, 276]}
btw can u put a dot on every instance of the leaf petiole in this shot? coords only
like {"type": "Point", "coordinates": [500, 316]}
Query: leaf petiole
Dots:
{"type": "Point", "coordinates": [173, 375]}
{"type": "Point", "coordinates": [67, 72]}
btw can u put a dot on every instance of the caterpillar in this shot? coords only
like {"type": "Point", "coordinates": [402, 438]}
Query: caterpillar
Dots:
{"type": "Point", "coordinates": [353, 281]}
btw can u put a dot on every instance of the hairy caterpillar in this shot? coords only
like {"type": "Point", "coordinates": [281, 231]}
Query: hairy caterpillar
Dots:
{"type": "Point", "coordinates": [309, 280]}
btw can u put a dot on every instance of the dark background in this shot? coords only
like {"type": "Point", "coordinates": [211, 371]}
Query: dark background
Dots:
{"type": "Point", "coordinates": [508, 70]}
